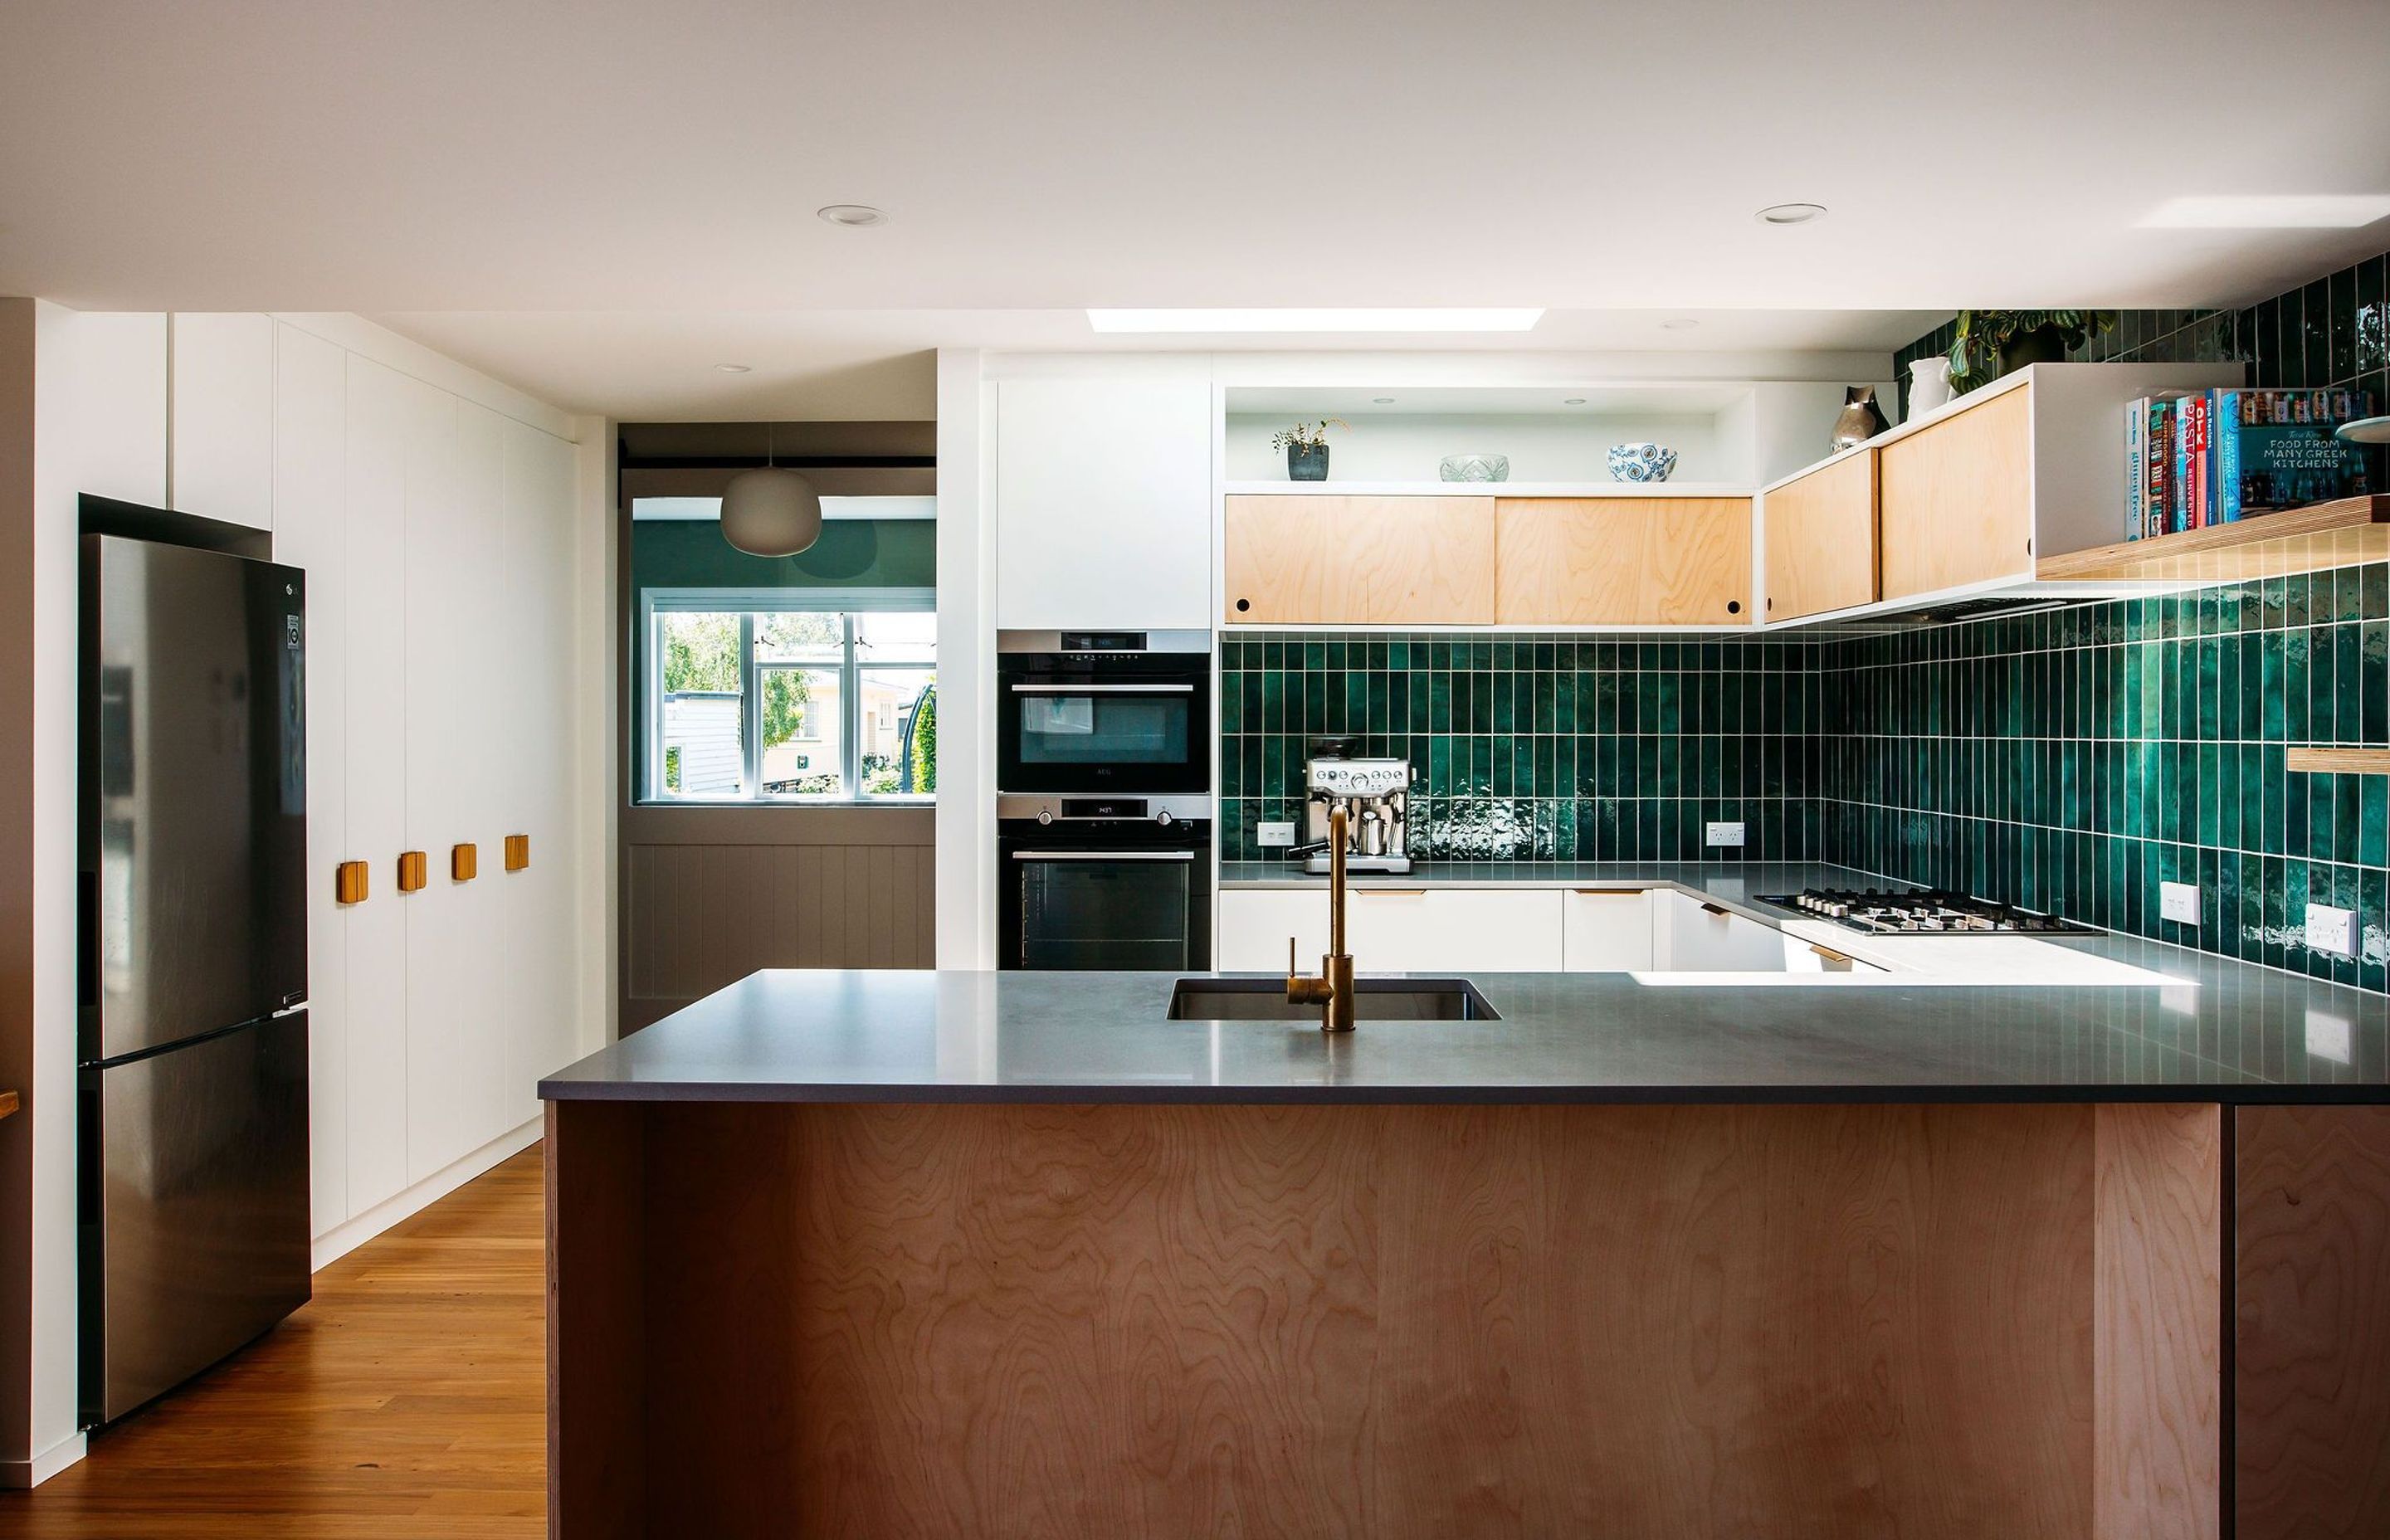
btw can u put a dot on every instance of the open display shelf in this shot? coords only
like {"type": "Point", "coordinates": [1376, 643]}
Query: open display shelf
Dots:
{"type": "Point", "coordinates": [2341, 534]}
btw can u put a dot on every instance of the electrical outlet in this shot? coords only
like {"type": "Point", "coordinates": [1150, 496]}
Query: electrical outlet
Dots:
{"type": "Point", "coordinates": [1726, 834]}
{"type": "Point", "coordinates": [2333, 930]}
{"type": "Point", "coordinates": [2178, 902]}
{"type": "Point", "coordinates": [1274, 836]}
{"type": "Point", "coordinates": [2328, 1036]}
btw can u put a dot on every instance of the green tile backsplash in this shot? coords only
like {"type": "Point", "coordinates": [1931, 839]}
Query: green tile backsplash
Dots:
{"type": "Point", "coordinates": [1536, 746]}
{"type": "Point", "coordinates": [2072, 760]}
{"type": "Point", "coordinates": [2067, 759]}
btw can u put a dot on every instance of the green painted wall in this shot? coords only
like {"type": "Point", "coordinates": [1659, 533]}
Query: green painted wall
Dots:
{"type": "Point", "coordinates": [852, 553]}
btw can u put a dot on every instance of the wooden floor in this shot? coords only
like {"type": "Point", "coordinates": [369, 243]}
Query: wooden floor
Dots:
{"type": "Point", "coordinates": [408, 1399]}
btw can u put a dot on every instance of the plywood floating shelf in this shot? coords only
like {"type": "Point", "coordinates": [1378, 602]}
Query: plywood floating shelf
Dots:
{"type": "Point", "coordinates": [2340, 534]}
{"type": "Point", "coordinates": [2338, 761]}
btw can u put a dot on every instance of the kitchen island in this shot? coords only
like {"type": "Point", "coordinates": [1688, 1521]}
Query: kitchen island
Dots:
{"type": "Point", "coordinates": [962, 1254]}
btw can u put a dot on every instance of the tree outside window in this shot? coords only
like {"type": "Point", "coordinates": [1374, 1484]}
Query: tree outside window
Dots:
{"type": "Point", "coordinates": [845, 704]}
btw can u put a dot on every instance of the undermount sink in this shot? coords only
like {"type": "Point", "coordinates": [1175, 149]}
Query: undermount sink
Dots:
{"type": "Point", "coordinates": [1373, 1000]}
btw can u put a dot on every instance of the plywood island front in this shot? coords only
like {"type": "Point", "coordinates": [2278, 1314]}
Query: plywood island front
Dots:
{"type": "Point", "coordinates": [795, 1292]}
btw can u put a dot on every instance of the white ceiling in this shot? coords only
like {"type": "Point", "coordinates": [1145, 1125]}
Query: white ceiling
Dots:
{"type": "Point", "coordinates": [601, 156]}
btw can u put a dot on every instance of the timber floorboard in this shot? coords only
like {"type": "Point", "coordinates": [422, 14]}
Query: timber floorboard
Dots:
{"type": "Point", "coordinates": [407, 1399]}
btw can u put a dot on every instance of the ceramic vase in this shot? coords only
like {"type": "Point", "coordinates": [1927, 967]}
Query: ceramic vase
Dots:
{"type": "Point", "coordinates": [1859, 421]}
{"type": "Point", "coordinates": [1929, 386]}
{"type": "Point", "coordinates": [1307, 462]}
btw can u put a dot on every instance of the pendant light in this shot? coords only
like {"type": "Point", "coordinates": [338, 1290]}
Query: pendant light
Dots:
{"type": "Point", "coordinates": [771, 512]}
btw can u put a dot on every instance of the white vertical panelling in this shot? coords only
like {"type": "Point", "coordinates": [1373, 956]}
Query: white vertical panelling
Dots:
{"type": "Point", "coordinates": [309, 434]}
{"type": "Point", "coordinates": [221, 437]}
{"type": "Point", "coordinates": [966, 832]}
{"type": "Point", "coordinates": [385, 411]}
{"type": "Point", "coordinates": [117, 408]}
{"type": "Point", "coordinates": [540, 983]}
{"type": "Point", "coordinates": [448, 659]}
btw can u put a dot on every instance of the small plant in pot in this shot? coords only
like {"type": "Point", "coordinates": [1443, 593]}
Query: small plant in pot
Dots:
{"type": "Point", "coordinates": [1306, 448]}
{"type": "Point", "coordinates": [1993, 342]}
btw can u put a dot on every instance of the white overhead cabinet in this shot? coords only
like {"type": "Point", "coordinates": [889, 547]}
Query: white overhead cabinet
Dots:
{"type": "Point", "coordinates": [1103, 502]}
{"type": "Point", "coordinates": [221, 451]}
{"type": "Point", "coordinates": [437, 535]}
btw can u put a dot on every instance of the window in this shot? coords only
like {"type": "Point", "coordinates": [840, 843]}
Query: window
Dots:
{"type": "Point", "coordinates": [765, 697]}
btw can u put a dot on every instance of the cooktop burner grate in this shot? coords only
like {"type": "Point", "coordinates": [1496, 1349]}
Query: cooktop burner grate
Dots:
{"type": "Point", "coordinates": [1925, 911]}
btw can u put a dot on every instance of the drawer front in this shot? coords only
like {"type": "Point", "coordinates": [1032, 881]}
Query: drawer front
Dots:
{"type": "Point", "coordinates": [1608, 931]}
{"type": "Point", "coordinates": [1456, 930]}
{"type": "Point", "coordinates": [1398, 930]}
{"type": "Point", "coordinates": [1255, 923]}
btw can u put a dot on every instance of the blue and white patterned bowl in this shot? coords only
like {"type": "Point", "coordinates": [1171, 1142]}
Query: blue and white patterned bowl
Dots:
{"type": "Point", "coordinates": [1475, 468]}
{"type": "Point", "coordinates": [1640, 462]}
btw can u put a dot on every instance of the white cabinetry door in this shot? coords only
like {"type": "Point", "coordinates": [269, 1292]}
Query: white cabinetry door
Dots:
{"type": "Point", "coordinates": [1455, 929]}
{"type": "Point", "coordinates": [1693, 937]}
{"type": "Point", "coordinates": [1255, 923]}
{"type": "Point", "coordinates": [1398, 930]}
{"type": "Point", "coordinates": [309, 433]}
{"type": "Point", "coordinates": [455, 1046]}
{"type": "Point", "coordinates": [386, 414]}
{"type": "Point", "coordinates": [539, 986]}
{"type": "Point", "coordinates": [221, 430]}
{"type": "Point", "coordinates": [1608, 931]}
{"type": "Point", "coordinates": [1103, 504]}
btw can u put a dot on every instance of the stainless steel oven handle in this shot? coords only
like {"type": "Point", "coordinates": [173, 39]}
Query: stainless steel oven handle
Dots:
{"type": "Point", "coordinates": [1103, 690]}
{"type": "Point", "coordinates": [1103, 856]}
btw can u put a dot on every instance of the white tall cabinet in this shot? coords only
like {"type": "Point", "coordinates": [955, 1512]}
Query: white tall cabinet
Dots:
{"type": "Point", "coordinates": [437, 538]}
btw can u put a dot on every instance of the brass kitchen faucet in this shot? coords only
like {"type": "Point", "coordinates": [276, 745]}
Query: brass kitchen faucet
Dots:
{"type": "Point", "coordinates": [1331, 988]}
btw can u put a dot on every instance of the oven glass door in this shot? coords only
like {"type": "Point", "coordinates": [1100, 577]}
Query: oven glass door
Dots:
{"type": "Point", "coordinates": [1092, 909]}
{"type": "Point", "coordinates": [1058, 735]}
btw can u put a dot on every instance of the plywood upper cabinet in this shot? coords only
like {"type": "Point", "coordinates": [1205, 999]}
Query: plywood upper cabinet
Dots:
{"type": "Point", "coordinates": [1821, 540]}
{"type": "Point", "coordinates": [1296, 559]}
{"type": "Point", "coordinates": [1958, 497]}
{"type": "Point", "coordinates": [1623, 561]}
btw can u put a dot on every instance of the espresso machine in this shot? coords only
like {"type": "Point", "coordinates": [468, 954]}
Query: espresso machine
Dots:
{"type": "Point", "coordinates": [1373, 794]}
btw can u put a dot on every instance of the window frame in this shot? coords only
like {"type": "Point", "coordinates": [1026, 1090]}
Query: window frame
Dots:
{"type": "Point", "coordinates": [747, 604]}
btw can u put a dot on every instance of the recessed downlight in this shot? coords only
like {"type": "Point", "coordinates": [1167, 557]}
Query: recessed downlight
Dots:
{"type": "Point", "coordinates": [733, 368]}
{"type": "Point", "coordinates": [1573, 400]}
{"type": "Point", "coordinates": [1679, 323]}
{"type": "Point", "coordinates": [1382, 401]}
{"type": "Point", "coordinates": [854, 216]}
{"type": "Point", "coordinates": [1792, 213]}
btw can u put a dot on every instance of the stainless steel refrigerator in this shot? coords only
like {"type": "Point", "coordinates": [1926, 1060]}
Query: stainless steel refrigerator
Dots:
{"type": "Point", "coordinates": [193, 973]}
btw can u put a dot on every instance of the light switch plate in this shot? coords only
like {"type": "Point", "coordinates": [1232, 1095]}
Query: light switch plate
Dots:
{"type": "Point", "coordinates": [1274, 836]}
{"type": "Point", "coordinates": [2328, 1036]}
{"type": "Point", "coordinates": [2333, 930]}
{"type": "Point", "coordinates": [2178, 902]}
{"type": "Point", "coordinates": [1726, 834]}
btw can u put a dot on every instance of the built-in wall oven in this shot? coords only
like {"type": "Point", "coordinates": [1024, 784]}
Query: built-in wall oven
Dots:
{"type": "Point", "coordinates": [1104, 882]}
{"type": "Point", "coordinates": [1104, 713]}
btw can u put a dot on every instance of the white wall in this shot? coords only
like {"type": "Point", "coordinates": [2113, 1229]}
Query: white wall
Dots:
{"type": "Point", "coordinates": [185, 412]}
{"type": "Point", "coordinates": [966, 837]}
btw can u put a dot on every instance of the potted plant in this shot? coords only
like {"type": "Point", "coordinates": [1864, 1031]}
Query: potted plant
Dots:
{"type": "Point", "coordinates": [1993, 342]}
{"type": "Point", "coordinates": [1306, 448]}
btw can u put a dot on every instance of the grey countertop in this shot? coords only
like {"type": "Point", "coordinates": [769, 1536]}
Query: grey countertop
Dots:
{"type": "Point", "coordinates": [2219, 1030]}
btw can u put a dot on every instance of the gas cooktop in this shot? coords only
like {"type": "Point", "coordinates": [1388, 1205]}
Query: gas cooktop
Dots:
{"type": "Point", "coordinates": [1925, 911]}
